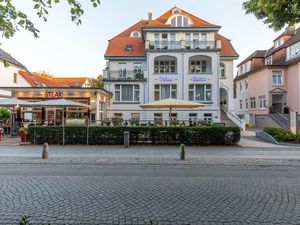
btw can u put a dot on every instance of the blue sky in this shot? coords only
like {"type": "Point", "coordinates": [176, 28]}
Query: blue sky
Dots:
{"type": "Point", "coordinates": [65, 49]}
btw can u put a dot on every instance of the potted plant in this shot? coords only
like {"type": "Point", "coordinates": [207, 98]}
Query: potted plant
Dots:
{"type": "Point", "coordinates": [23, 134]}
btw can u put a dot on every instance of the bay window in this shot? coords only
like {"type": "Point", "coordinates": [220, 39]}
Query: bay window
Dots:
{"type": "Point", "coordinates": [200, 92]}
{"type": "Point", "coordinates": [164, 91]}
{"type": "Point", "coordinates": [127, 93]}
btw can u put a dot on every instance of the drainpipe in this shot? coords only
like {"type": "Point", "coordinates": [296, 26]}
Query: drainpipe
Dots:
{"type": "Point", "coordinates": [182, 76]}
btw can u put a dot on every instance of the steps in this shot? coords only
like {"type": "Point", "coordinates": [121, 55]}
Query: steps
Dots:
{"type": "Point", "coordinates": [226, 120]}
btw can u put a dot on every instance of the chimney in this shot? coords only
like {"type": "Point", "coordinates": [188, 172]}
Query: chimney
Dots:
{"type": "Point", "coordinates": [149, 17]}
{"type": "Point", "coordinates": [290, 28]}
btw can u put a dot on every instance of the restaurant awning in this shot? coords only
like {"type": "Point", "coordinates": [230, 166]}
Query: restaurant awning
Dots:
{"type": "Point", "coordinates": [13, 102]}
{"type": "Point", "coordinates": [60, 103]}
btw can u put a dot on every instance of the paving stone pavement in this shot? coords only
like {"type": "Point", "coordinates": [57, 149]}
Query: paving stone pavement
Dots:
{"type": "Point", "coordinates": [137, 200]}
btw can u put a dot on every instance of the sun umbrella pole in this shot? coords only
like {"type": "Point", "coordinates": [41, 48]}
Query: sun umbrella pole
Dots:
{"type": "Point", "coordinates": [170, 113]}
{"type": "Point", "coordinates": [63, 124]}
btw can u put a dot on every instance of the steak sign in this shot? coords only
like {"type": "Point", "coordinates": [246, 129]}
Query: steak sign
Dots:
{"type": "Point", "coordinates": [53, 94]}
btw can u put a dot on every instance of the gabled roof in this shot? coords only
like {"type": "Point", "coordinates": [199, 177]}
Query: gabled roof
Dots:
{"type": "Point", "coordinates": [4, 56]}
{"type": "Point", "coordinates": [197, 22]}
{"type": "Point", "coordinates": [36, 80]}
{"type": "Point", "coordinates": [70, 81]}
{"type": "Point", "coordinates": [117, 45]}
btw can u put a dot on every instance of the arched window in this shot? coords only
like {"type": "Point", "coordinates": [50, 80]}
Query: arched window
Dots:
{"type": "Point", "coordinates": [200, 64]}
{"type": "Point", "coordinates": [165, 65]}
{"type": "Point", "coordinates": [179, 20]}
{"type": "Point", "coordinates": [135, 34]}
{"type": "Point", "coordinates": [222, 70]}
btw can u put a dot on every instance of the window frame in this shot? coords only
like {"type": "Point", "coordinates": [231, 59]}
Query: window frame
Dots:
{"type": "Point", "coordinates": [276, 83]}
{"type": "Point", "coordinates": [262, 102]}
{"type": "Point", "coordinates": [196, 66]}
{"type": "Point", "coordinates": [206, 91]}
{"type": "Point", "coordinates": [119, 93]}
{"type": "Point", "coordinates": [252, 103]}
{"type": "Point", "coordinates": [158, 91]}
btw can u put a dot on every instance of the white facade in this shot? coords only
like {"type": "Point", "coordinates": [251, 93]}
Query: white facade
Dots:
{"type": "Point", "coordinates": [180, 63]}
{"type": "Point", "coordinates": [10, 77]}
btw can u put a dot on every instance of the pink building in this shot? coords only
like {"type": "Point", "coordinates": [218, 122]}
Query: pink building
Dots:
{"type": "Point", "coordinates": [268, 81]}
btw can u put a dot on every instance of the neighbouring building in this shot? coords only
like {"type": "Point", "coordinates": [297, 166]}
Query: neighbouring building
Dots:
{"type": "Point", "coordinates": [9, 73]}
{"type": "Point", "coordinates": [268, 82]}
{"type": "Point", "coordinates": [176, 55]}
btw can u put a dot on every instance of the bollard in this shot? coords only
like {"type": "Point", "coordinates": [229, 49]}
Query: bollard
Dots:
{"type": "Point", "coordinates": [182, 152]}
{"type": "Point", "coordinates": [45, 154]}
{"type": "Point", "coordinates": [126, 139]}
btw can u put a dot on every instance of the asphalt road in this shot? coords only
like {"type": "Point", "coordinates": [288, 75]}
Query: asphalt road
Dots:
{"type": "Point", "coordinates": [140, 194]}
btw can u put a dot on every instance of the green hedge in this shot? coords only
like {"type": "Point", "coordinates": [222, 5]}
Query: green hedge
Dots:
{"type": "Point", "coordinates": [281, 134]}
{"type": "Point", "coordinates": [213, 135]}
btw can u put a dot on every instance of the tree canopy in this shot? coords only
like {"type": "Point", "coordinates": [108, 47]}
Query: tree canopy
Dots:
{"type": "Point", "coordinates": [275, 13]}
{"type": "Point", "coordinates": [96, 82]}
{"type": "Point", "coordinates": [13, 20]}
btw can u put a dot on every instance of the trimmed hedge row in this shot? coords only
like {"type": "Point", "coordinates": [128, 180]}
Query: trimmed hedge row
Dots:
{"type": "Point", "coordinates": [213, 135]}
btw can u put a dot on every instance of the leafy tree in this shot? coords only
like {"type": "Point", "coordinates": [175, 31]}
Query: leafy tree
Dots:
{"type": "Point", "coordinates": [12, 20]}
{"type": "Point", "coordinates": [4, 114]}
{"type": "Point", "coordinates": [275, 13]}
{"type": "Point", "coordinates": [96, 82]}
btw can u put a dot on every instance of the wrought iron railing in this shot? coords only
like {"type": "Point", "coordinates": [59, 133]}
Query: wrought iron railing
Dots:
{"type": "Point", "coordinates": [165, 45]}
{"type": "Point", "coordinates": [125, 74]}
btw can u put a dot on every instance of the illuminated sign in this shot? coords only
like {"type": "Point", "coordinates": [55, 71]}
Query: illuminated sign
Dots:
{"type": "Point", "coordinates": [166, 79]}
{"type": "Point", "coordinates": [196, 78]}
{"type": "Point", "coordinates": [53, 94]}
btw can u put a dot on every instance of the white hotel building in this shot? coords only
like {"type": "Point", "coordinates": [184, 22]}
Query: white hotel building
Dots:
{"type": "Point", "coordinates": [177, 55]}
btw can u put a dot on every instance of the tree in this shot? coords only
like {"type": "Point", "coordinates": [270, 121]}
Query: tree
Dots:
{"type": "Point", "coordinates": [4, 114]}
{"type": "Point", "coordinates": [12, 20]}
{"type": "Point", "coordinates": [276, 13]}
{"type": "Point", "coordinates": [96, 82]}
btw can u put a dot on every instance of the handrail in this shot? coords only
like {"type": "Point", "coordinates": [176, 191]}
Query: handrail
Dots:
{"type": "Point", "coordinates": [234, 118]}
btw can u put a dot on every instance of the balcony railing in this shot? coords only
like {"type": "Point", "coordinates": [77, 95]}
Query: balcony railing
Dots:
{"type": "Point", "coordinates": [124, 75]}
{"type": "Point", "coordinates": [166, 45]}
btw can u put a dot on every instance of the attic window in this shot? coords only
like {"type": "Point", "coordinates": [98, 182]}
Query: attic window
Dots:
{"type": "Point", "coordinates": [135, 34]}
{"type": "Point", "coordinates": [129, 48]}
{"type": "Point", "coordinates": [180, 21]}
{"type": "Point", "coordinates": [176, 11]}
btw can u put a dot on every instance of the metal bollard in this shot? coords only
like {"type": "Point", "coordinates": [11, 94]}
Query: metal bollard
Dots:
{"type": "Point", "coordinates": [126, 139]}
{"type": "Point", "coordinates": [182, 152]}
{"type": "Point", "coordinates": [45, 154]}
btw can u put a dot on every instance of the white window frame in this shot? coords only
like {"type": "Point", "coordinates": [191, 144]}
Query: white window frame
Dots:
{"type": "Point", "coordinates": [252, 103]}
{"type": "Point", "coordinates": [294, 51]}
{"type": "Point", "coordinates": [208, 117]}
{"type": "Point", "coordinates": [246, 104]}
{"type": "Point", "coordinates": [241, 87]}
{"type": "Point", "coordinates": [269, 60]}
{"type": "Point", "coordinates": [262, 102]}
{"type": "Point", "coordinates": [276, 83]}
{"type": "Point", "coordinates": [206, 92]}
{"type": "Point", "coordinates": [241, 104]}
{"type": "Point", "coordinates": [172, 94]}
{"type": "Point", "coordinates": [135, 93]}
{"type": "Point", "coordinates": [246, 85]}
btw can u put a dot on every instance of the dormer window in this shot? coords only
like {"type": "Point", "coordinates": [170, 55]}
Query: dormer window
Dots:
{"type": "Point", "coordinates": [129, 48]}
{"type": "Point", "coordinates": [279, 42]}
{"type": "Point", "coordinates": [268, 61]}
{"type": "Point", "coordinates": [179, 20]}
{"type": "Point", "coordinates": [135, 34]}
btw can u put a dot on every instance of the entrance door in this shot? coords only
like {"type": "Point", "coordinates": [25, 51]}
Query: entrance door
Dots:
{"type": "Point", "coordinates": [277, 102]}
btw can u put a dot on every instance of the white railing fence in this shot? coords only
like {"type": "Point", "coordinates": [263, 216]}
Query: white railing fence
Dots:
{"type": "Point", "coordinates": [234, 118]}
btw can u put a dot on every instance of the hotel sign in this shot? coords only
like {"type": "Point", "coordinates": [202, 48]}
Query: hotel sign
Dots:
{"type": "Point", "coordinates": [198, 78]}
{"type": "Point", "coordinates": [165, 78]}
{"type": "Point", "coordinates": [52, 94]}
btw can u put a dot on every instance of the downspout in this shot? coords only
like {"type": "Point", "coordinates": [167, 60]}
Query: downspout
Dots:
{"type": "Point", "coordinates": [182, 76]}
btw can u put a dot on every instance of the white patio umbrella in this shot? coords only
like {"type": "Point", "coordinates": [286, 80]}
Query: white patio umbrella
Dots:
{"type": "Point", "coordinates": [171, 103]}
{"type": "Point", "coordinates": [61, 103]}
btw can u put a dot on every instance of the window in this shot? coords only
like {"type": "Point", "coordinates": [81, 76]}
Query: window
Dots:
{"type": "Point", "coordinates": [241, 104]}
{"type": "Point", "coordinates": [246, 85]}
{"type": "Point", "coordinates": [156, 40]}
{"type": "Point", "coordinates": [222, 70]}
{"type": "Point", "coordinates": [137, 68]}
{"type": "Point", "coordinates": [203, 40]}
{"type": "Point", "coordinates": [208, 117]}
{"type": "Point", "coordinates": [180, 21]}
{"type": "Point", "coordinates": [135, 34]}
{"type": "Point", "coordinates": [246, 104]}
{"type": "Point", "coordinates": [188, 41]}
{"type": "Point", "coordinates": [165, 64]}
{"type": "Point", "coordinates": [119, 115]}
{"type": "Point", "coordinates": [195, 40]}
{"type": "Point", "coordinates": [268, 61]}
{"type": "Point", "coordinates": [164, 91]}
{"type": "Point", "coordinates": [127, 93]}
{"type": "Point", "coordinates": [164, 41]}
{"type": "Point", "coordinates": [200, 64]}
{"type": "Point", "coordinates": [173, 43]}
{"type": "Point", "coordinates": [15, 78]}
{"type": "Point", "coordinates": [262, 102]}
{"type": "Point", "coordinates": [129, 48]}
{"type": "Point", "coordinates": [279, 42]}
{"type": "Point", "coordinates": [122, 70]}
{"type": "Point", "coordinates": [241, 87]}
{"type": "Point", "coordinates": [158, 118]}
{"type": "Point", "coordinates": [252, 103]}
{"type": "Point", "coordinates": [193, 117]}
{"type": "Point", "coordinates": [277, 77]}
{"type": "Point", "coordinates": [294, 50]}
{"type": "Point", "coordinates": [200, 92]}
{"type": "Point", "coordinates": [135, 119]}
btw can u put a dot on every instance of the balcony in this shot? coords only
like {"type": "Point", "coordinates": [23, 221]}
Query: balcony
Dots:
{"type": "Point", "coordinates": [175, 45]}
{"type": "Point", "coordinates": [124, 75]}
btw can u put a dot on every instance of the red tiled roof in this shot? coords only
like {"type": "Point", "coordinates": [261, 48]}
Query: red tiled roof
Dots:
{"type": "Point", "coordinates": [37, 81]}
{"type": "Point", "coordinates": [70, 81]}
{"type": "Point", "coordinates": [117, 45]}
